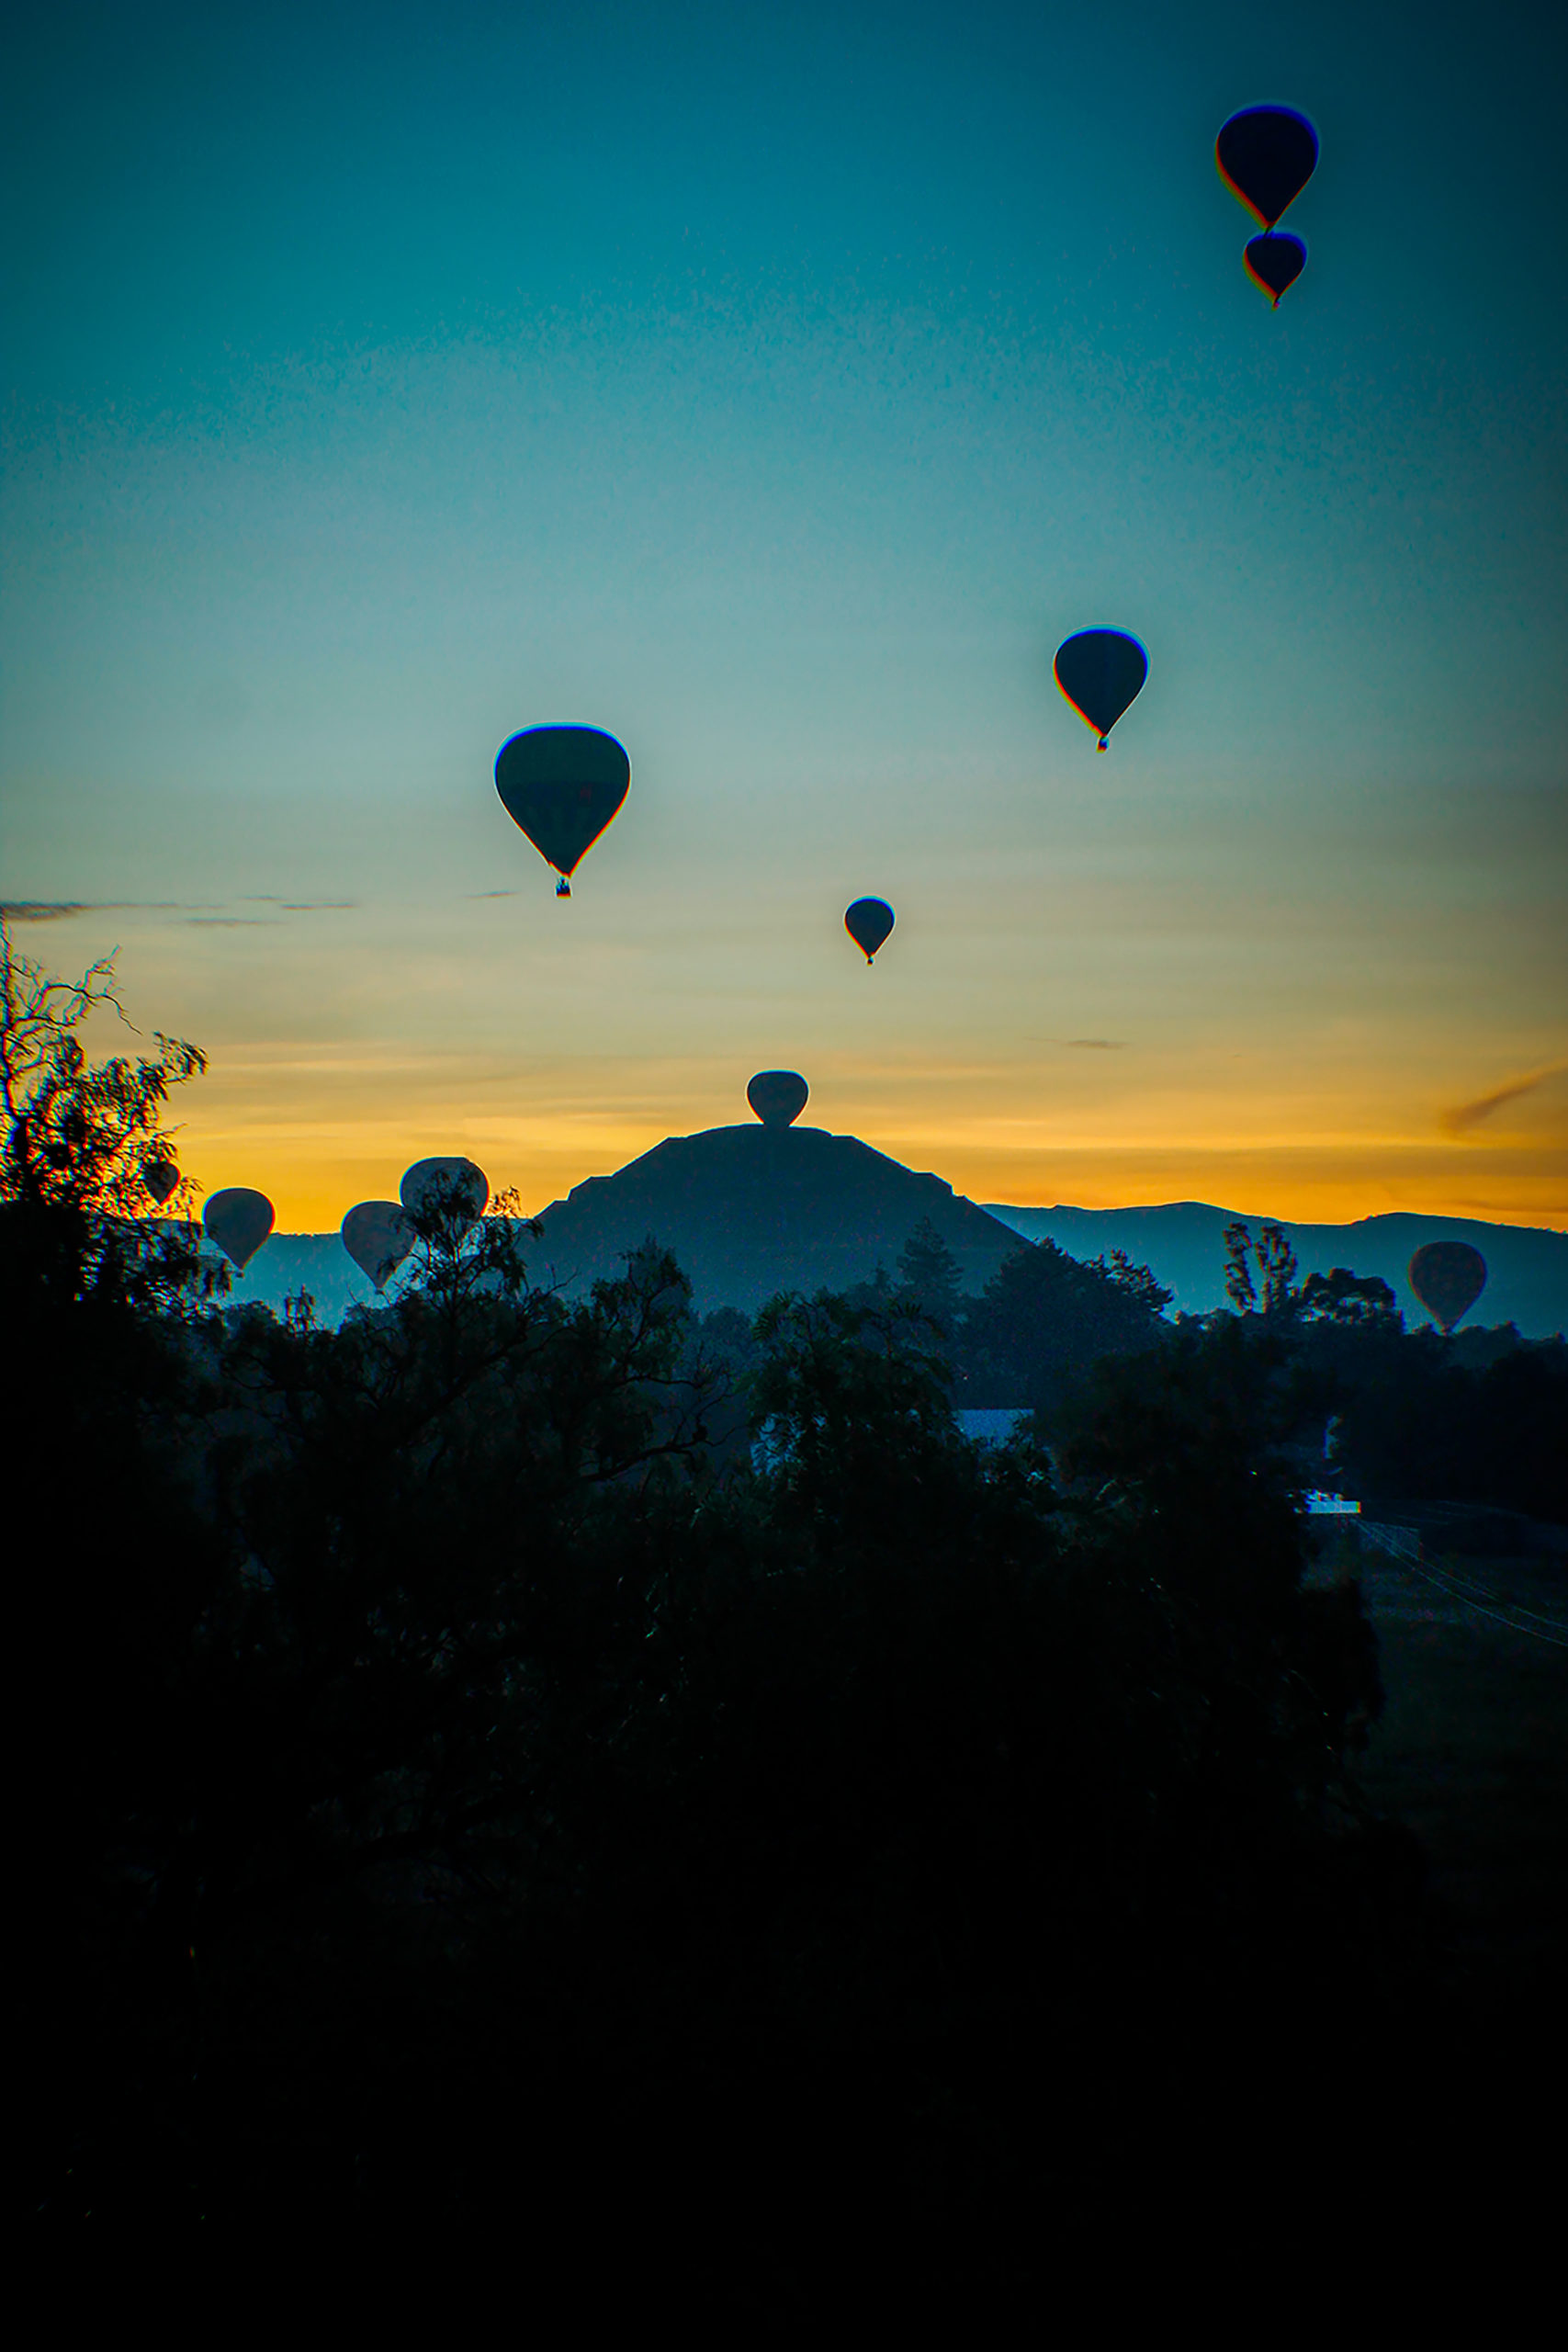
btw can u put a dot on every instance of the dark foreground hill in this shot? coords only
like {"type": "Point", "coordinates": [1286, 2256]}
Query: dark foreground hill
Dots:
{"type": "Point", "coordinates": [753, 1210]}
{"type": "Point", "coordinates": [1184, 1241]}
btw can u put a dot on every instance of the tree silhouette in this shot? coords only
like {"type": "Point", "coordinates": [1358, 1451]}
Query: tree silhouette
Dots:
{"type": "Point", "coordinates": [1275, 1263]}
{"type": "Point", "coordinates": [930, 1271]}
{"type": "Point", "coordinates": [1045, 1319]}
{"type": "Point", "coordinates": [74, 1132]}
{"type": "Point", "coordinates": [1340, 1296]}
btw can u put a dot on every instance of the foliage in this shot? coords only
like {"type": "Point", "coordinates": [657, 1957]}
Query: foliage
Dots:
{"type": "Point", "coordinates": [930, 1273]}
{"type": "Point", "coordinates": [1416, 1421]}
{"type": "Point", "coordinates": [76, 1132]}
{"type": "Point", "coordinates": [838, 1378]}
{"type": "Point", "coordinates": [78, 1138]}
{"type": "Point", "coordinates": [1340, 1296]}
{"type": "Point", "coordinates": [1271, 1294]}
{"type": "Point", "coordinates": [1045, 1319]}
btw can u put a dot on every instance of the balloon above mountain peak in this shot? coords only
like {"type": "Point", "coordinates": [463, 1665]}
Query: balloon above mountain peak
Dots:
{"type": "Point", "coordinates": [777, 1096]}
{"type": "Point", "coordinates": [561, 786]}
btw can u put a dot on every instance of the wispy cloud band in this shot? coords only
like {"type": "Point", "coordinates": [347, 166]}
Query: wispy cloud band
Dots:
{"type": "Point", "coordinates": [1465, 1116]}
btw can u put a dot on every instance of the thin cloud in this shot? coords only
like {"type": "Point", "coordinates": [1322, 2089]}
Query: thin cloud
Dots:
{"type": "Point", "coordinates": [1465, 1116]}
{"type": "Point", "coordinates": [1096, 1044]}
{"type": "Point", "coordinates": [296, 906]}
{"type": "Point", "coordinates": [56, 910]}
{"type": "Point", "coordinates": [232, 922]}
{"type": "Point", "coordinates": [493, 894]}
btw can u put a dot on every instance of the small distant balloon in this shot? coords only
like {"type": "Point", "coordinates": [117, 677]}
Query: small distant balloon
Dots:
{"type": "Point", "coordinates": [869, 923]}
{"type": "Point", "coordinates": [239, 1221]}
{"type": "Point", "coordinates": [1266, 156]}
{"type": "Point", "coordinates": [1274, 261]}
{"type": "Point", "coordinates": [377, 1237]}
{"type": "Point", "coordinates": [1448, 1277]}
{"type": "Point", "coordinates": [777, 1096]}
{"type": "Point", "coordinates": [561, 786]}
{"type": "Point", "coordinates": [160, 1178]}
{"type": "Point", "coordinates": [1102, 670]}
{"type": "Point", "coordinates": [455, 1187]}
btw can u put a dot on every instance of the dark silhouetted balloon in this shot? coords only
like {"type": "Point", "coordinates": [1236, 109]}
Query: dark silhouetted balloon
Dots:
{"type": "Point", "coordinates": [377, 1237]}
{"type": "Point", "coordinates": [1266, 156]}
{"type": "Point", "coordinates": [160, 1178]}
{"type": "Point", "coordinates": [1100, 670]}
{"type": "Point", "coordinates": [1275, 261]}
{"type": "Point", "coordinates": [239, 1221]}
{"type": "Point", "coordinates": [868, 922]}
{"type": "Point", "coordinates": [1448, 1277]}
{"type": "Point", "coordinates": [562, 785]}
{"type": "Point", "coordinates": [454, 1187]}
{"type": "Point", "coordinates": [777, 1096]}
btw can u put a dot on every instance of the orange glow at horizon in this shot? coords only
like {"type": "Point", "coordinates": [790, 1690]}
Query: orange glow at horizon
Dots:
{"type": "Point", "coordinates": [345, 1135]}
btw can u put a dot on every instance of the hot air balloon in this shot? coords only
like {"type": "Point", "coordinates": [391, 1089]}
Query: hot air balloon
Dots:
{"type": "Point", "coordinates": [1266, 156]}
{"type": "Point", "coordinates": [160, 1178]}
{"type": "Point", "coordinates": [1275, 261]}
{"type": "Point", "coordinates": [562, 785]}
{"type": "Point", "coordinates": [1100, 670]}
{"type": "Point", "coordinates": [777, 1096]}
{"type": "Point", "coordinates": [377, 1237]}
{"type": "Point", "coordinates": [454, 1190]}
{"type": "Point", "coordinates": [239, 1221]}
{"type": "Point", "coordinates": [868, 922]}
{"type": "Point", "coordinates": [1448, 1277]}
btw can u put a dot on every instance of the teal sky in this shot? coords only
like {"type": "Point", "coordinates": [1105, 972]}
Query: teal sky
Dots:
{"type": "Point", "coordinates": [775, 389]}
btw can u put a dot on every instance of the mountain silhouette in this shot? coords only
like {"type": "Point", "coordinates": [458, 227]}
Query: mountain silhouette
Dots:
{"type": "Point", "coordinates": [752, 1210]}
{"type": "Point", "coordinates": [749, 1210]}
{"type": "Point", "coordinates": [1184, 1241]}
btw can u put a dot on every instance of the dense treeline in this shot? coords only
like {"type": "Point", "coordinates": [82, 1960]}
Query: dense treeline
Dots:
{"type": "Point", "coordinates": [1387, 1414]}
{"type": "Point", "coordinates": [461, 1789]}
{"type": "Point", "coordinates": [1416, 1420]}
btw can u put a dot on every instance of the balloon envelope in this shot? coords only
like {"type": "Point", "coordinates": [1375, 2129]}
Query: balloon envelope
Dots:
{"type": "Point", "coordinates": [1275, 261]}
{"type": "Point", "coordinates": [1448, 1277]}
{"type": "Point", "coordinates": [562, 785]}
{"type": "Point", "coordinates": [777, 1096]}
{"type": "Point", "coordinates": [455, 1188]}
{"type": "Point", "coordinates": [239, 1221]}
{"type": "Point", "coordinates": [1266, 156]}
{"type": "Point", "coordinates": [377, 1237]}
{"type": "Point", "coordinates": [1100, 670]}
{"type": "Point", "coordinates": [160, 1178]}
{"type": "Point", "coordinates": [868, 922]}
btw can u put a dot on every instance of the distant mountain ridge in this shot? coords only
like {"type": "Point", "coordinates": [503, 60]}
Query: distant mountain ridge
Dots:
{"type": "Point", "coordinates": [1184, 1241]}
{"type": "Point", "coordinates": [749, 1210]}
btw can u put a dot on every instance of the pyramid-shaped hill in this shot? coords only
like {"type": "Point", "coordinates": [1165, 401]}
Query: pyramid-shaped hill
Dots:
{"type": "Point", "coordinates": [749, 1211]}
